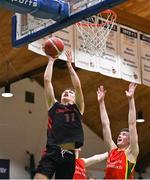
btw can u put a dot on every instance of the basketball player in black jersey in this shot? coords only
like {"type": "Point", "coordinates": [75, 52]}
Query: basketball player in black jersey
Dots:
{"type": "Point", "coordinates": [64, 132]}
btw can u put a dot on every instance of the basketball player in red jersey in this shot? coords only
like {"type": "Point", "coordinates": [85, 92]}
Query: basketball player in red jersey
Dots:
{"type": "Point", "coordinates": [65, 132]}
{"type": "Point", "coordinates": [122, 157]}
{"type": "Point", "coordinates": [82, 163]}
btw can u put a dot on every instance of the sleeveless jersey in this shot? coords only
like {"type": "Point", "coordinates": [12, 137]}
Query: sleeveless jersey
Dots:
{"type": "Point", "coordinates": [64, 125]}
{"type": "Point", "coordinates": [118, 167]}
{"type": "Point", "coordinates": [79, 169]}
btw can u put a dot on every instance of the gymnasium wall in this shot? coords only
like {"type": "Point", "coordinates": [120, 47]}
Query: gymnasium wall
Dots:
{"type": "Point", "coordinates": [22, 126]}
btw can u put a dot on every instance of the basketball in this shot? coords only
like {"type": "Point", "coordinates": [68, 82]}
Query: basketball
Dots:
{"type": "Point", "coordinates": [53, 47]}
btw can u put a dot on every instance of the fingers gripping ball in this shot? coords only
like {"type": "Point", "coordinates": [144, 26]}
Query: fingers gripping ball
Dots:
{"type": "Point", "coordinates": [54, 47]}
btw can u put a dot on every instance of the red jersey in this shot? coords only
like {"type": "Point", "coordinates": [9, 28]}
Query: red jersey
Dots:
{"type": "Point", "coordinates": [118, 167]}
{"type": "Point", "coordinates": [79, 169]}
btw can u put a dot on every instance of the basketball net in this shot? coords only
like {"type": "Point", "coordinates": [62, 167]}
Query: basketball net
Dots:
{"type": "Point", "coordinates": [95, 30]}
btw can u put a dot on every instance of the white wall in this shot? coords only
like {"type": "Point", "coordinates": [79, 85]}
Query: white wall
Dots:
{"type": "Point", "coordinates": [21, 131]}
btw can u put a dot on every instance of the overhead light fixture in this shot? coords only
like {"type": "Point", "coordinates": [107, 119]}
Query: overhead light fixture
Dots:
{"type": "Point", "coordinates": [140, 117]}
{"type": "Point", "coordinates": [7, 92]}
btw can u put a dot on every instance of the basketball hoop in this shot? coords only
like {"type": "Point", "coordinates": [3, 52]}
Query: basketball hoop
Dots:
{"type": "Point", "coordinates": [95, 30]}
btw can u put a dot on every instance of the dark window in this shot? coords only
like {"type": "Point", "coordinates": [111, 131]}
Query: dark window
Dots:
{"type": "Point", "coordinates": [29, 97]}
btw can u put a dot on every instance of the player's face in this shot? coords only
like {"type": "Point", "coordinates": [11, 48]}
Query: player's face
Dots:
{"type": "Point", "coordinates": [123, 139]}
{"type": "Point", "coordinates": [68, 96]}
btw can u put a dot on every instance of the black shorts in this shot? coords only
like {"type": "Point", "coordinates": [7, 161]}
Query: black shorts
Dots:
{"type": "Point", "coordinates": [58, 161]}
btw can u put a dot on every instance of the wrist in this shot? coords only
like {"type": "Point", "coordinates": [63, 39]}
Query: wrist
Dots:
{"type": "Point", "coordinates": [130, 97]}
{"type": "Point", "coordinates": [51, 61]}
{"type": "Point", "coordinates": [69, 65]}
{"type": "Point", "coordinates": [101, 101]}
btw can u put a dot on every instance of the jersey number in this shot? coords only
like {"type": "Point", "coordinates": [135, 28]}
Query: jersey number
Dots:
{"type": "Point", "coordinates": [70, 117]}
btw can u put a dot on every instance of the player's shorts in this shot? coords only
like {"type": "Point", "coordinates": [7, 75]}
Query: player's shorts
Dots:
{"type": "Point", "coordinates": [59, 161]}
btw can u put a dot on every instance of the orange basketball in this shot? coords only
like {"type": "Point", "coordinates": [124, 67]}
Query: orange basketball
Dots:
{"type": "Point", "coordinates": [54, 47]}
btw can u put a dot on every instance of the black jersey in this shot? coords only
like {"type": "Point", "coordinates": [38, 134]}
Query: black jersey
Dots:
{"type": "Point", "coordinates": [64, 125]}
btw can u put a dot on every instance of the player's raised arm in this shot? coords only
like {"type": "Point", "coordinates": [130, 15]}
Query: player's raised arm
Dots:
{"type": "Point", "coordinates": [48, 87]}
{"type": "Point", "coordinates": [79, 99]}
{"type": "Point", "coordinates": [133, 149]}
{"type": "Point", "coordinates": [105, 119]}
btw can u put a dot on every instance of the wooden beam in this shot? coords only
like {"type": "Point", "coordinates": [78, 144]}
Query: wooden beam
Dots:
{"type": "Point", "coordinates": [133, 21]}
{"type": "Point", "coordinates": [24, 75]}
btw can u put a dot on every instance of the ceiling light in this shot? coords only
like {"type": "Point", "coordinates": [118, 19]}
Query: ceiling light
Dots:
{"type": "Point", "coordinates": [7, 92]}
{"type": "Point", "coordinates": [140, 117]}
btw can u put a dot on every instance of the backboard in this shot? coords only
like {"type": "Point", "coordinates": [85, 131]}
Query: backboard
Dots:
{"type": "Point", "coordinates": [27, 28]}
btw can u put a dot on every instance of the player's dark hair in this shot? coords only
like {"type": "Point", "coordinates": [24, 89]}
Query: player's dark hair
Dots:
{"type": "Point", "coordinates": [125, 129]}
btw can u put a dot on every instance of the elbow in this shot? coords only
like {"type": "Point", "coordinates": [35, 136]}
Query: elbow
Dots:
{"type": "Point", "coordinates": [46, 79]}
{"type": "Point", "coordinates": [132, 123]}
{"type": "Point", "coordinates": [106, 125]}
